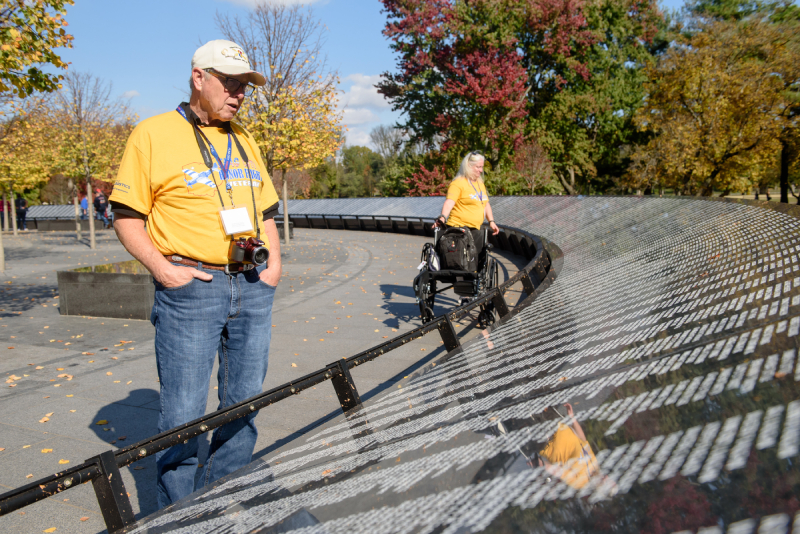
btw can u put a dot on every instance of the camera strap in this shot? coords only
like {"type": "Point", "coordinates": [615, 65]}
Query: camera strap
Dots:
{"type": "Point", "coordinates": [205, 145]}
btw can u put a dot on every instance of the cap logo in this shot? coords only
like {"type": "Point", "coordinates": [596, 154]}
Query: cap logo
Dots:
{"type": "Point", "coordinates": [235, 53]}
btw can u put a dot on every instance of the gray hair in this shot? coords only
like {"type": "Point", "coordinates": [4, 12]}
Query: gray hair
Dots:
{"type": "Point", "coordinates": [467, 162]}
{"type": "Point", "coordinates": [206, 75]}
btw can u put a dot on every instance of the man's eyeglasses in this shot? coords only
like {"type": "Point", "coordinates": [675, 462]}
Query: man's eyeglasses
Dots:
{"type": "Point", "coordinates": [232, 85]}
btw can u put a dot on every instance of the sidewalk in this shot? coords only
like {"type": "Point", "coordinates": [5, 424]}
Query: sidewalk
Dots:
{"type": "Point", "coordinates": [341, 292]}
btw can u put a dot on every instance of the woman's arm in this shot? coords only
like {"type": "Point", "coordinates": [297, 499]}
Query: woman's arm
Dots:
{"type": "Point", "coordinates": [490, 217]}
{"type": "Point", "coordinates": [446, 209]}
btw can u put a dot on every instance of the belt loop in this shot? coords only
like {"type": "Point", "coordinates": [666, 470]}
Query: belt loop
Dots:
{"type": "Point", "coordinates": [199, 265]}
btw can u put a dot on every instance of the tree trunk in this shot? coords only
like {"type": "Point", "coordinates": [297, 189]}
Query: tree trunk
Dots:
{"type": "Point", "coordinates": [77, 209]}
{"type": "Point", "coordinates": [6, 209]}
{"type": "Point", "coordinates": [784, 176]}
{"type": "Point", "coordinates": [569, 186]}
{"type": "Point", "coordinates": [2, 248]}
{"type": "Point", "coordinates": [13, 205]}
{"type": "Point", "coordinates": [285, 208]}
{"type": "Point", "coordinates": [90, 213]}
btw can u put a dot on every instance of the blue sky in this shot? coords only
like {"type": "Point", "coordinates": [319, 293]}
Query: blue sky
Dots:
{"type": "Point", "coordinates": [144, 48]}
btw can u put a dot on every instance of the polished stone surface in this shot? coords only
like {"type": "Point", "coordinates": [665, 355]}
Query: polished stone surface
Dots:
{"type": "Point", "coordinates": [672, 332]}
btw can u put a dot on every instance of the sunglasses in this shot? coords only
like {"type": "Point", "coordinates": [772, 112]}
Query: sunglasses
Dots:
{"type": "Point", "coordinates": [232, 85]}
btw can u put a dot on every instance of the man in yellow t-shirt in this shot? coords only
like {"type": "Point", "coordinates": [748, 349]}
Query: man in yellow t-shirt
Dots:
{"type": "Point", "coordinates": [199, 183]}
{"type": "Point", "coordinates": [569, 454]}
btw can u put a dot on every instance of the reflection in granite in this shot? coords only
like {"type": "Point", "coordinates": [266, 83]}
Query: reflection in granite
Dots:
{"type": "Point", "coordinates": [671, 331]}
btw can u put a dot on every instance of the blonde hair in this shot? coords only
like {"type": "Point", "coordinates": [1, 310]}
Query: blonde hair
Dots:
{"type": "Point", "coordinates": [467, 163]}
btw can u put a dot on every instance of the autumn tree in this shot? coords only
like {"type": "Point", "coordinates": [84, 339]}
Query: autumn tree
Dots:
{"type": "Point", "coordinates": [716, 107]}
{"type": "Point", "coordinates": [493, 75]}
{"type": "Point", "coordinates": [293, 117]}
{"type": "Point", "coordinates": [92, 129]}
{"type": "Point", "coordinates": [29, 34]}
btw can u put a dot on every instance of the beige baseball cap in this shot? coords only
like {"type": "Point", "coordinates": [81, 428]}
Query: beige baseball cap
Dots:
{"type": "Point", "coordinates": [226, 57]}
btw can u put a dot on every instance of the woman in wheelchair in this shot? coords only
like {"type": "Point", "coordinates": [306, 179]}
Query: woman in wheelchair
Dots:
{"type": "Point", "coordinates": [467, 203]}
{"type": "Point", "coordinates": [465, 208]}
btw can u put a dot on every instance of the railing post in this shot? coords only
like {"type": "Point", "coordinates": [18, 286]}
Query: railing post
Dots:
{"type": "Point", "coordinates": [448, 333]}
{"type": "Point", "coordinates": [111, 494]}
{"type": "Point", "coordinates": [500, 303]}
{"type": "Point", "coordinates": [345, 387]}
{"type": "Point", "coordinates": [529, 283]}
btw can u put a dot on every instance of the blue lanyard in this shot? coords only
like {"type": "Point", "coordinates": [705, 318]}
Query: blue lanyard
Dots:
{"type": "Point", "coordinates": [477, 191]}
{"type": "Point", "coordinates": [223, 167]}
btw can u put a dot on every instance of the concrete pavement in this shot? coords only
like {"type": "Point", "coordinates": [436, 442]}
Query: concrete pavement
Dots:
{"type": "Point", "coordinates": [341, 293]}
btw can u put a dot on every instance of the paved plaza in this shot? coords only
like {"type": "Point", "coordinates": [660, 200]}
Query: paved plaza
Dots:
{"type": "Point", "coordinates": [77, 386]}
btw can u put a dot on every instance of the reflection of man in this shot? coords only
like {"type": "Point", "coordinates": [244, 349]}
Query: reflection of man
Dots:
{"type": "Point", "coordinates": [207, 303]}
{"type": "Point", "coordinates": [568, 453]}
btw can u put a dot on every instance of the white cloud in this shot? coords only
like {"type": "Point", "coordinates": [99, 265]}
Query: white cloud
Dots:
{"type": "Point", "coordinates": [364, 94]}
{"type": "Point", "coordinates": [364, 108]}
{"type": "Point", "coordinates": [130, 94]}
{"type": "Point", "coordinates": [357, 116]}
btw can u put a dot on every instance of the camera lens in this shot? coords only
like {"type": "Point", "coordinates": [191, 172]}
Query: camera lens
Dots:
{"type": "Point", "coordinates": [260, 255]}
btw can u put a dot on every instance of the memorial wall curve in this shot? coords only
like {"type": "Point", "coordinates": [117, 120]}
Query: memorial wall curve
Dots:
{"type": "Point", "coordinates": [653, 387]}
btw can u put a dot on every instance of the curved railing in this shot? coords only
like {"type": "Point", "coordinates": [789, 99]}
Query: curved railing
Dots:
{"type": "Point", "coordinates": [103, 470]}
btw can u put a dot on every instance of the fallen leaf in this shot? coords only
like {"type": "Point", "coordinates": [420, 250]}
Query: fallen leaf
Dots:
{"type": "Point", "coordinates": [294, 365]}
{"type": "Point", "coordinates": [2, 449]}
{"type": "Point", "coordinates": [29, 475]}
{"type": "Point", "coordinates": [102, 422]}
{"type": "Point", "coordinates": [60, 369]}
{"type": "Point", "coordinates": [128, 382]}
{"type": "Point", "coordinates": [114, 358]}
{"type": "Point", "coordinates": [69, 395]}
{"type": "Point", "coordinates": [138, 468]}
{"type": "Point", "coordinates": [327, 472]}
{"type": "Point", "coordinates": [88, 353]}
{"type": "Point", "coordinates": [122, 438]}
{"type": "Point", "coordinates": [109, 373]}
{"type": "Point", "coordinates": [51, 529]}
{"type": "Point", "coordinates": [116, 381]}
{"type": "Point", "coordinates": [44, 419]}
{"type": "Point", "coordinates": [39, 367]}
{"type": "Point", "coordinates": [84, 518]}
{"type": "Point", "coordinates": [26, 446]}
{"type": "Point", "coordinates": [63, 461]}
{"type": "Point", "coordinates": [73, 411]}
{"type": "Point", "coordinates": [45, 451]}
{"type": "Point", "coordinates": [329, 331]}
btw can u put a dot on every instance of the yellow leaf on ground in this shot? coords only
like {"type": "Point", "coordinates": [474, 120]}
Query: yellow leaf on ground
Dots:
{"type": "Point", "coordinates": [84, 518]}
{"type": "Point", "coordinates": [51, 529]}
{"type": "Point", "coordinates": [63, 461]}
{"type": "Point", "coordinates": [102, 422]}
{"type": "Point", "coordinates": [44, 419]}
{"type": "Point", "coordinates": [29, 475]}
{"type": "Point", "coordinates": [109, 373]}
{"type": "Point", "coordinates": [294, 365]}
{"type": "Point", "coordinates": [49, 414]}
{"type": "Point", "coordinates": [45, 451]}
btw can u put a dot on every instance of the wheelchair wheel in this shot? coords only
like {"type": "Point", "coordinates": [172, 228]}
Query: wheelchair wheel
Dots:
{"type": "Point", "coordinates": [426, 294]}
{"type": "Point", "coordinates": [490, 281]}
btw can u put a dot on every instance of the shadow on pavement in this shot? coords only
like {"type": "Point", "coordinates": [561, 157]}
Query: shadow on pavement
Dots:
{"type": "Point", "coordinates": [127, 422]}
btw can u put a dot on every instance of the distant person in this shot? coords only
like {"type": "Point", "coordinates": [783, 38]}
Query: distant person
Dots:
{"type": "Point", "coordinates": [22, 210]}
{"type": "Point", "coordinates": [100, 206]}
{"type": "Point", "coordinates": [3, 211]}
{"type": "Point", "coordinates": [84, 208]}
{"type": "Point", "coordinates": [467, 203]}
{"type": "Point", "coordinates": [209, 300]}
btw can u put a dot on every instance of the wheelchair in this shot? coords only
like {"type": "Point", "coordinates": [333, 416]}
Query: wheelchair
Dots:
{"type": "Point", "coordinates": [467, 285]}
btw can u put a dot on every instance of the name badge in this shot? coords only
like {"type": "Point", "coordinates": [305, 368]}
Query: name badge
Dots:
{"type": "Point", "coordinates": [236, 220]}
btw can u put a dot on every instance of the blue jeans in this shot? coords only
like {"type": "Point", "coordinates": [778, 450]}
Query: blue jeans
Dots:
{"type": "Point", "coordinates": [229, 317]}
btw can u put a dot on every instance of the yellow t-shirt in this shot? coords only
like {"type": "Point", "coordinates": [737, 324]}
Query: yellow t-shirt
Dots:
{"type": "Point", "coordinates": [471, 199]}
{"type": "Point", "coordinates": [162, 175]}
{"type": "Point", "coordinates": [565, 448]}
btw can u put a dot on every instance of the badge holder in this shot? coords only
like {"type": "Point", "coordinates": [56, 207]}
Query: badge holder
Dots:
{"type": "Point", "coordinates": [235, 220]}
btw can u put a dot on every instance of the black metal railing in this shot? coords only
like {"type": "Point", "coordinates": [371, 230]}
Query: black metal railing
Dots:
{"type": "Point", "coordinates": [103, 470]}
